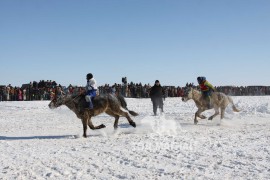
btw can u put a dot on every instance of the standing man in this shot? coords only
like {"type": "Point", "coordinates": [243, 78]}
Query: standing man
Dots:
{"type": "Point", "coordinates": [156, 95]}
{"type": "Point", "coordinates": [1, 93]}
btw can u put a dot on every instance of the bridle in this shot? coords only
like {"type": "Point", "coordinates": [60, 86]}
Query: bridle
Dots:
{"type": "Point", "coordinates": [192, 90]}
{"type": "Point", "coordinates": [192, 93]}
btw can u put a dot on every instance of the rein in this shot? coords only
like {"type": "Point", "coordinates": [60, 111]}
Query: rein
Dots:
{"type": "Point", "coordinates": [75, 97]}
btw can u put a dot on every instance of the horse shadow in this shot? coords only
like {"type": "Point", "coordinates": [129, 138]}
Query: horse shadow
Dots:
{"type": "Point", "coordinates": [124, 126]}
{"type": "Point", "coordinates": [14, 138]}
{"type": "Point", "coordinates": [204, 124]}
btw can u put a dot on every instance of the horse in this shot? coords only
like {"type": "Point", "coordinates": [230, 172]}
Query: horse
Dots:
{"type": "Point", "coordinates": [115, 106]}
{"type": "Point", "coordinates": [218, 100]}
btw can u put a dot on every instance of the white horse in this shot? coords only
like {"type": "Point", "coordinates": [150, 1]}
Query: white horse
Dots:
{"type": "Point", "coordinates": [218, 100]}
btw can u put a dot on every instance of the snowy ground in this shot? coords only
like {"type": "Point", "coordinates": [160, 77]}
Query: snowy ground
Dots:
{"type": "Point", "coordinates": [39, 143]}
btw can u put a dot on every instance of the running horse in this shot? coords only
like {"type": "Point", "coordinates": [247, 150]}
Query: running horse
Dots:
{"type": "Point", "coordinates": [218, 101]}
{"type": "Point", "coordinates": [115, 106]}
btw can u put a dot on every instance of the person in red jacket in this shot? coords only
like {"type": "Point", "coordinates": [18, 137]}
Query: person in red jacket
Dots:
{"type": "Point", "coordinates": [206, 89]}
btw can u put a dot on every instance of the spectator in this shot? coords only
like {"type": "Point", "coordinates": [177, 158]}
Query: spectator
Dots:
{"type": "Point", "coordinates": [1, 93]}
{"type": "Point", "coordinates": [20, 94]}
{"type": "Point", "coordinates": [24, 94]}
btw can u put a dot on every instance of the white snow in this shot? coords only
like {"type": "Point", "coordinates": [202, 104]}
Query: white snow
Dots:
{"type": "Point", "coordinates": [39, 143]}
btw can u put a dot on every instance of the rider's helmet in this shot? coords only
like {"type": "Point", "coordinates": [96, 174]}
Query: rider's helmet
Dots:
{"type": "Point", "coordinates": [201, 79]}
{"type": "Point", "coordinates": [89, 76]}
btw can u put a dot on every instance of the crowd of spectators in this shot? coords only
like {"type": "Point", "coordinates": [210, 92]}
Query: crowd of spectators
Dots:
{"type": "Point", "coordinates": [47, 90]}
{"type": "Point", "coordinates": [44, 90]}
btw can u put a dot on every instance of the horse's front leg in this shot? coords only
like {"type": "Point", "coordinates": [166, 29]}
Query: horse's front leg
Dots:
{"type": "Point", "coordinates": [90, 124]}
{"type": "Point", "coordinates": [197, 114]}
{"type": "Point", "coordinates": [216, 113]}
{"type": "Point", "coordinates": [88, 115]}
{"type": "Point", "coordinates": [84, 122]}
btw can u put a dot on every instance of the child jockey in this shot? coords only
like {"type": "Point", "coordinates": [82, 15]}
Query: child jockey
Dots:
{"type": "Point", "coordinates": [206, 89]}
{"type": "Point", "coordinates": [90, 89]}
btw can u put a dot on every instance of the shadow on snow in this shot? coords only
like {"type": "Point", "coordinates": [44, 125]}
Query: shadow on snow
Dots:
{"type": "Point", "coordinates": [38, 137]}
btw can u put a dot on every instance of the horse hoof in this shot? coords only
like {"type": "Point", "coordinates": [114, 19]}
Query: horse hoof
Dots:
{"type": "Point", "coordinates": [102, 126]}
{"type": "Point", "coordinates": [195, 122]}
{"type": "Point", "coordinates": [133, 124]}
{"type": "Point", "coordinates": [84, 136]}
{"type": "Point", "coordinates": [210, 119]}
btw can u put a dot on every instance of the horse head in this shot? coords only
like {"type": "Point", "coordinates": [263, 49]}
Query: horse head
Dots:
{"type": "Point", "coordinates": [56, 102]}
{"type": "Point", "coordinates": [188, 94]}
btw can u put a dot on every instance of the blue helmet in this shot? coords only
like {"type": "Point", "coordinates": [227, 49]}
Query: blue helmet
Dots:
{"type": "Point", "coordinates": [201, 79]}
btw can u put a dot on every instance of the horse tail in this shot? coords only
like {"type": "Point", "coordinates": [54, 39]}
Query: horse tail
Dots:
{"type": "Point", "coordinates": [123, 103]}
{"type": "Point", "coordinates": [233, 105]}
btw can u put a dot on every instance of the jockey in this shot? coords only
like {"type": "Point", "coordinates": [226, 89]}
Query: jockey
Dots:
{"type": "Point", "coordinates": [90, 89]}
{"type": "Point", "coordinates": [206, 89]}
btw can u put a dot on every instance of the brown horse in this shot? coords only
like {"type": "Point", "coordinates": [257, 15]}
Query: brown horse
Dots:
{"type": "Point", "coordinates": [112, 105]}
{"type": "Point", "coordinates": [218, 100]}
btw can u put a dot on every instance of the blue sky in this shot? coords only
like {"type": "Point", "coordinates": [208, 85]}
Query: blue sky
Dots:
{"type": "Point", "coordinates": [173, 41]}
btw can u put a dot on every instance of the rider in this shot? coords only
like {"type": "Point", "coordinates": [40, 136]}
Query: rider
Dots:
{"type": "Point", "coordinates": [206, 89]}
{"type": "Point", "coordinates": [91, 89]}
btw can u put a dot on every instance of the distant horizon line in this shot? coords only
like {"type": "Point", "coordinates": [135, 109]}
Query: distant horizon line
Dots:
{"type": "Point", "coordinates": [134, 83]}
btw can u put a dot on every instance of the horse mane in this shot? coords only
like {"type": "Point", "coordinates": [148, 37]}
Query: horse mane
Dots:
{"type": "Point", "coordinates": [76, 102]}
{"type": "Point", "coordinates": [197, 91]}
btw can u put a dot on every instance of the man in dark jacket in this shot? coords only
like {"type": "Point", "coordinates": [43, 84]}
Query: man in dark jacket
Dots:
{"type": "Point", "coordinates": [1, 93]}
{"type": "Point", "coordinates": [156, 95]}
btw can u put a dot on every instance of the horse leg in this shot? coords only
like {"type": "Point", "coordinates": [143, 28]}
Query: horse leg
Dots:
{"type": "Point", "coordinates": [125, 114]}
{"type": "Point", "coordinates": [197, 114]}
{"type": "Point", "coordinates": [195, 120]}
{"type": "Point", "coordinates": [115, 109]}
{"type": "Point", "coordinates": [216, 113]}
{"type": "Point", "coordinates": [222, 113]}
{"type": "Point", "coordinates": [84, 122]}
{"type": "Point", "coordinates": [116, 122]}
{"type": "Point", "coordinates": [90, 124]}
{"type": "Point", "coordinates": [202, 116]}
{"type": "Point", "coordinates": [116, 118]}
